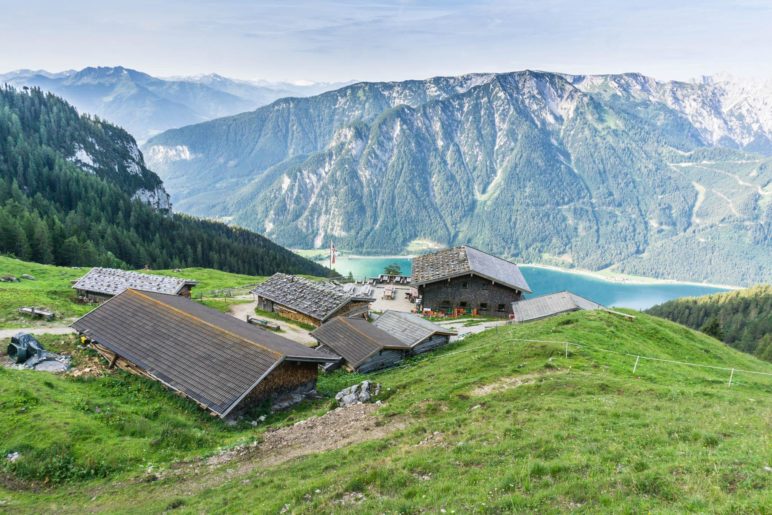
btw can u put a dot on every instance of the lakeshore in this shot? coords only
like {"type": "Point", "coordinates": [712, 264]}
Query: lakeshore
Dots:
{"type": "Point", "coordinates": [606, 287]}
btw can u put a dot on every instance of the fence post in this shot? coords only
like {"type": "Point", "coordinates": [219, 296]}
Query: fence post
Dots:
{"type": "Point", "coordinates": [635, 367]}
{"type": "Point", "coordinates": [730, 377]}
{"type": "Point", "coordinates": [566, 350]}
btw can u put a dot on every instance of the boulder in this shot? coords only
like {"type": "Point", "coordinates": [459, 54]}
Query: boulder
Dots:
{"type": "Point", "coordinates": [9, 279]}
{"type": "Point", "coordinates": [28, 277]}
{"type": "Point", "coordinates": [362, 392]}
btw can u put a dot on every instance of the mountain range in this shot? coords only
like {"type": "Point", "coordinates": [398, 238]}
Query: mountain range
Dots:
{"type": "Point", "coordinates": [146, 105]}
{"type": "Point", "coordinates": [622, 172]}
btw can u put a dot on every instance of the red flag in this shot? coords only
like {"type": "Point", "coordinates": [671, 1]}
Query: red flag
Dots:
{"type": "Point", "coordinates": [332, 253]}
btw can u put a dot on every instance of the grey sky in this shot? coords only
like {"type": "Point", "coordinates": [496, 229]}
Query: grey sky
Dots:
{"type": "Point", "coordinates": [389, 40]}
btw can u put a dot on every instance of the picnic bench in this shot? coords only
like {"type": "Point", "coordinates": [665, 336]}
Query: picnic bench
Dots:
{"type": "Point", "coordinates": [263, 323]}
{"type": "Point", "coordinates": [37, 312]}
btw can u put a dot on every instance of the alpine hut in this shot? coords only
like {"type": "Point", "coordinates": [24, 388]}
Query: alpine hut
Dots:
{"type": "Point", "coordinates": [467, 280]}
{"type": "Point", "coordinates": [550, 305]}
{"type": "Point", "coordinates": [219, 361]}
{"type": "Point", "coordinates": [417, 333]}
{"type": "Point", "coordinates": [362, 346]}
{"type": "Point", "coordinates": [99, 284]}
{"type": "Point", "coordinates": [312, 302]}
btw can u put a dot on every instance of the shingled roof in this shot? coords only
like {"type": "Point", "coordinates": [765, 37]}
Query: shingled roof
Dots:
{"type": "Point", "coordinates": [210, 357]}
{"type": "Point", "coordinates": [549, 305]}
{"type": "Point", "coordinates": [355, 339]}
{"type": "Point", "coordinates": [111, 281]}
{"type": "Point", "coordinates": [465, 260]}
{"type": "Point", "coordinates": [408, 328]}
{"type": "Point", "coordinates": [317, 299]}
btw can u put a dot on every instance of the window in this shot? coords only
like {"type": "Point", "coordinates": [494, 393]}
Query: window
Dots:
{"type": "Point", "coordinates": [462, 304]}
{"type": "Point", "coordinates": [502, 307]}
{"type": "Point", "coordinates": [483, 306]}
{"type": "Point", "coordinates": [465, 285]}
{"type": "Point", "coordinates": [445, 303]}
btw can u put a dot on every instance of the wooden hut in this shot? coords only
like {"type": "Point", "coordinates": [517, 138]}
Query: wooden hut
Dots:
{"type": "Point", "coordinates": [417, 333]}
{"type": "Point", "coordinates": [362, 346]}
{"type": "Point", "coordinates": [550, 305]}
{"type": "Point", "coordinates": [312, 302]}
{"type": "Point", "coordinates": [220, 362]}
{"type": "Point", "coordinates": [467, 280]}
{"type": "Point", "coordinates": [99, 284]}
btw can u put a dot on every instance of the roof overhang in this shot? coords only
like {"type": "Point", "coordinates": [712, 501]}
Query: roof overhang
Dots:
{"type": "Point", "coordinates": [463, 274]}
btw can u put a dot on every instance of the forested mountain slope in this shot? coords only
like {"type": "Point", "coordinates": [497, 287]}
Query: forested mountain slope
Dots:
{"type": "Point", "coordinates": [741, 318]}
{"type": "Point", "coordinates": [593, 172]}
{"type": "Point", "coordinates": [74, 191]}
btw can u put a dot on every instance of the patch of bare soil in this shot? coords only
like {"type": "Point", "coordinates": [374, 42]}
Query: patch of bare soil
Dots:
{"type": "Point", "coordinates": [333, 430]}
{"type": "Point", "coordinates": [507, 383]}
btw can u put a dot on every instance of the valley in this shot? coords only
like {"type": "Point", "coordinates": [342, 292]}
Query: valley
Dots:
{"type": "Point", "coordinates": [617, 172]}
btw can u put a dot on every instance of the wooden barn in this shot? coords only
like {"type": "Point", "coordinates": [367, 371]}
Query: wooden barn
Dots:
{"type": "Point", "coordinates": [312, 302]}
{"type": "Point", "coordinates": [362, 346]}
{"type": "Point", "coordinates": [467, 280]}
{"type": "Point", "coordinates": [417, 333]}
{"type": "Point", "coordinates": [99, 284]}
{"type": "Point", "coordinates": [550, 305]}
{"type": "Point", "coordinates": [220, 362]}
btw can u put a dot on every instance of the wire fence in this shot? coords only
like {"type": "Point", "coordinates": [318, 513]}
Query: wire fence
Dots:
{"type": "Point", "coordinates": [733, 371]}
{"type": "Point", "coordinates": [225, 293]}
{"type": "Point", "coordinates": [638, 357]}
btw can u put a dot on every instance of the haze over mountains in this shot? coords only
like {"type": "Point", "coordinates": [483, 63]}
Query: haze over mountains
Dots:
{"type": "Point", "coordinates": [146, 105]}
{"type": "Point", "coordinates": [668, 179]}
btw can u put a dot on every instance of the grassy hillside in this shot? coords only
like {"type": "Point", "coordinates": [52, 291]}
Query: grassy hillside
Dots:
{"type": "Point", "coordinates": [489, 424]}
{"type": "Point", "coordinates": [52, 288]}
{"type": "Point", "coordinates": [740, 318]}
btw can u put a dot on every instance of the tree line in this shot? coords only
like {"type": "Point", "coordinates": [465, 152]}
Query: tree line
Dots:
{"type": "Point", "coordinates": [741, 319]}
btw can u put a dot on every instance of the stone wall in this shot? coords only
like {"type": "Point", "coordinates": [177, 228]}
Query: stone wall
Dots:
{"type": "Point", "coordinates": [290, 314]}
{"type": "Point", "coordinates": [469, 292]}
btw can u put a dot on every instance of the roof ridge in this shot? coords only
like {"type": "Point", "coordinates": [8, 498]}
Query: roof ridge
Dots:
{"type": "Point", "coordinates": [216, 327]}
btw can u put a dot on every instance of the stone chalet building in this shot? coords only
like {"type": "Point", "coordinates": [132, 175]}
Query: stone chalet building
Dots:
{"type": "Point", "coordinates": [464, 278]}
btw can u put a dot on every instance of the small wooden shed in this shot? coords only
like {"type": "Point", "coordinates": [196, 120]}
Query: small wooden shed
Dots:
{"type": "Point", "coordinates": [416, 332]}
{"type": "Point", "coordinates": [224, 364]}
{"type": "Point", "coordinates": [362, 346]}
{"type": "Point", "coordinates": [99, 284]}
{"type": "Point", "coordinates": [550, 305]}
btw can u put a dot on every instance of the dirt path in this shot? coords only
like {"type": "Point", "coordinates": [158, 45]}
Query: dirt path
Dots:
{"type": "Point", "coordinates": [463, 330]}
{"type": "Point", "coordinates": [335, 429]}
{"type": "Point", "coordinates": [57, 329]}
{"type": "Point", "coordinates": [289, 331]}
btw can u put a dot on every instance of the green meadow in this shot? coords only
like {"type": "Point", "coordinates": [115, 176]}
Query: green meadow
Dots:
{"type": "Point", "coordinates": [486, 425]}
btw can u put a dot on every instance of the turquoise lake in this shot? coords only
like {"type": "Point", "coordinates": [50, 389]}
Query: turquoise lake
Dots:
{"type": "Point", "coordinates": [543, 281]}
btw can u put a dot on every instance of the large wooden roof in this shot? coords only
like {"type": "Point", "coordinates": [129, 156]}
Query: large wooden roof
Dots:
{"type": "Point", "coordinates": [112, 281]}
{"type": "Point", "coordinates": [317, 299]}
{"type": "Point", "coordinates": [213, 358]}
{"type": "Point", "coordinates": [549, 305]}
{"type": "Point", "coordinates": [355, 339]}
{"type": "Point", "coordinates": [408, 328]}
{"type": "Point", "coordinates": [459, 261]}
